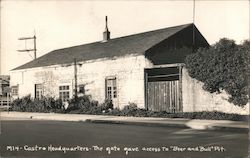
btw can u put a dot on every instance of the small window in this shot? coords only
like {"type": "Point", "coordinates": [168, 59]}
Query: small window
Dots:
{"type": "Point", "coordinates": [38, 91]}
{"type": "Point", "coordinates": [111, 89]}
{"type": "Point", "coordinates": [64, 93]}
{"type": "Point", "coordinates": [14, 90]}
{"type": "Point", "coordinates": [82, 89]}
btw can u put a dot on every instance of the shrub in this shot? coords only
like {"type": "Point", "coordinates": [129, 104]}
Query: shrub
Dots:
{"type": "Point", "coordinates": [107, 105]}
{"type": "Point", "coordinates": [27, 104]}
{"type": "Point", "coordinates": [85, 105]}
{"type": "Point", "coordinates": [114, 112]}
{"type": "Point", "coordinates": [54, 105]}
{"type": "Point", "coordinates": [214, 115]}
{"type": "Point", "coordinates": [21, 104]}
{"type": "Point", "coordinates": [79, 103]}
{"type": "Point", "coordinates": [16, 105]}
{"type": "Point", "coordinates": [129, 110]}
{"type": "Point", "coordinates": [133, 110]}
{"type": "Point", "coordinates": [224, 66]}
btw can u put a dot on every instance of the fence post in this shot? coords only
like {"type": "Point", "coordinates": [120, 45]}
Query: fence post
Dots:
{"type": "Point", "coordinates": [8, 102]}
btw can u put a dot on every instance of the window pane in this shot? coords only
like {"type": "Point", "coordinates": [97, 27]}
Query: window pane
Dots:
{"type": "Point", "coordinates": [108, 82]}
{"type": "Point", "coordinates": [114, 82]}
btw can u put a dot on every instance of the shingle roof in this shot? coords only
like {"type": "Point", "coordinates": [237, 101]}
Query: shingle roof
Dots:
{"type": "Point", "coordinates": [132, 44]}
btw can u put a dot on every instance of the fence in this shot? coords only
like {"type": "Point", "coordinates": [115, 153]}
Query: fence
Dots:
{"type": "Point", "coordinates": [4, 102]}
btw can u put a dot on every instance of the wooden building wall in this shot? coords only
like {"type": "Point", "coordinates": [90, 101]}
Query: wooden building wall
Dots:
{"type": "Point", "coordinates": [177, 47]}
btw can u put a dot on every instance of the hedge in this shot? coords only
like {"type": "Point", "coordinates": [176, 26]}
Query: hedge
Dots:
{"type": "Point", "coordinates": [85, 105]}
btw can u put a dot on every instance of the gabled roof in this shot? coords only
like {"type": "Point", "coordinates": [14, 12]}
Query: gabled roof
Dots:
{"type": "Point", "coordinates": [132, 44]}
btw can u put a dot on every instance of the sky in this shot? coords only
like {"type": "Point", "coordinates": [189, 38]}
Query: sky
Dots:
{"type": "Point", "coordinates": [65, 23]}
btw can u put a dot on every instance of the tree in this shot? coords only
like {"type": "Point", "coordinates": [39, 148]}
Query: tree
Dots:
{"type": "Point", "coordinates": [223, 66]}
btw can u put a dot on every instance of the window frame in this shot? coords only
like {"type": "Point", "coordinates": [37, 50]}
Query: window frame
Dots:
{"type": "Point", "coordinates": [64, 92]}
{"type": "Point", "coordinates": [82, 89]}
{"type": "Point", "coordinates": [111, 90]}
{"type": "Point", "coordinates": [15, 90]}
{"type": "Point", "coordinates": [39, 91]}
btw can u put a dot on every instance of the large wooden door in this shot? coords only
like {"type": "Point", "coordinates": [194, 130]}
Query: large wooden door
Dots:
{"type": "Point", "coordinates": [163, 89]}
{"type": "Point", "coordinates": [164, 96]}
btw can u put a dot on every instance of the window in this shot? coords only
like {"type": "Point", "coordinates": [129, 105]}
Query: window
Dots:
{"type": "Point", "coordinates": [64, 93]}
{"type": "Point", "coordinates": [14, 90]}
{"type": "Point", "coordinates": [38, 91]}
{"type": "Point", "coordinates": [82, 89]}
{"type": "Point", "coordinates": [111, 88]}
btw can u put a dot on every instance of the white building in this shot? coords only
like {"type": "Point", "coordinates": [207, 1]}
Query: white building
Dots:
{"type": "Point", "coordinates": [145, 68]}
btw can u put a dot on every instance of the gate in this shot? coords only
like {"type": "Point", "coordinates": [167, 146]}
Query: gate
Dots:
{"type": "Point", "coordinates": [164, 96]}
{"type": "Point", "coordinates": [163, 90]}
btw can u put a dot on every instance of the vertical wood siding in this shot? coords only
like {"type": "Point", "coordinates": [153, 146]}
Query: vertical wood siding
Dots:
{"type": "Point", "coordinates": [164, 96]}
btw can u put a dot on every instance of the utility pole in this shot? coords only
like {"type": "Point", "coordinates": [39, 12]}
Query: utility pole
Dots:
{"type": "Point", "coordinates": [28, 50]}
{"type": "Point", "coordinates": [75, 76]}
{"type": "Point", "coordinates": [193, 25]}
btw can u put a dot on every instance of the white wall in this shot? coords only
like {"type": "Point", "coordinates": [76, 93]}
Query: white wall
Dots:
{"type": "Point", "coordinates": [197, 99]}
{"type": "Point", "coordinates": [128, 70]}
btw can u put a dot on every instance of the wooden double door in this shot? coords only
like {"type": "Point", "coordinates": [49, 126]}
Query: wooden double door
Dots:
{"type": "Point", "coordinates": [163, 91]}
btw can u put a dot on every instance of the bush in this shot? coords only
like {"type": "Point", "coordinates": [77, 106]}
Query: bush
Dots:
{"type": "Point", "coordinates": [107, 105]}
{"type": "Point", "coordinates": [114, 112]}
{"type": "Point", "coordinates": [214, 115]}
{"type": "Point", "coordinates": [84, 105]}
{"type": "Point", "coordinates": [224, 66]}
{"type": "Point", "coordinates": [27, 104]}
{"type": "Point", "coordinates": [21, 104]}
{"type": "Point", "coordinates": [133, 110]}
{"type": "Point", "coordinates": [79, 103]}
{"type": "Point", "coordinates": [129, 110]}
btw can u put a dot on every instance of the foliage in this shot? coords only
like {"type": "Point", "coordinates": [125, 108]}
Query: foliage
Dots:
{"type": "Point", "coordinates": [20, 104]}
{"type": "Point", "coordinates": [81, 104]}
{"type": "Point", "coordinates": [27, 104]}
{"type": "Point", "coordinates": [107, 105]}
{"type": "Point", "coordinates": [114, 112]}
{"type": "Point", "coordinates": [223, 66]}
{"type": "Point", "coordinates": [129, 110]}
{"type": "Point", "coordinates": [86, 105]}
{"type": "Point", "coordinates": [133, 110]}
